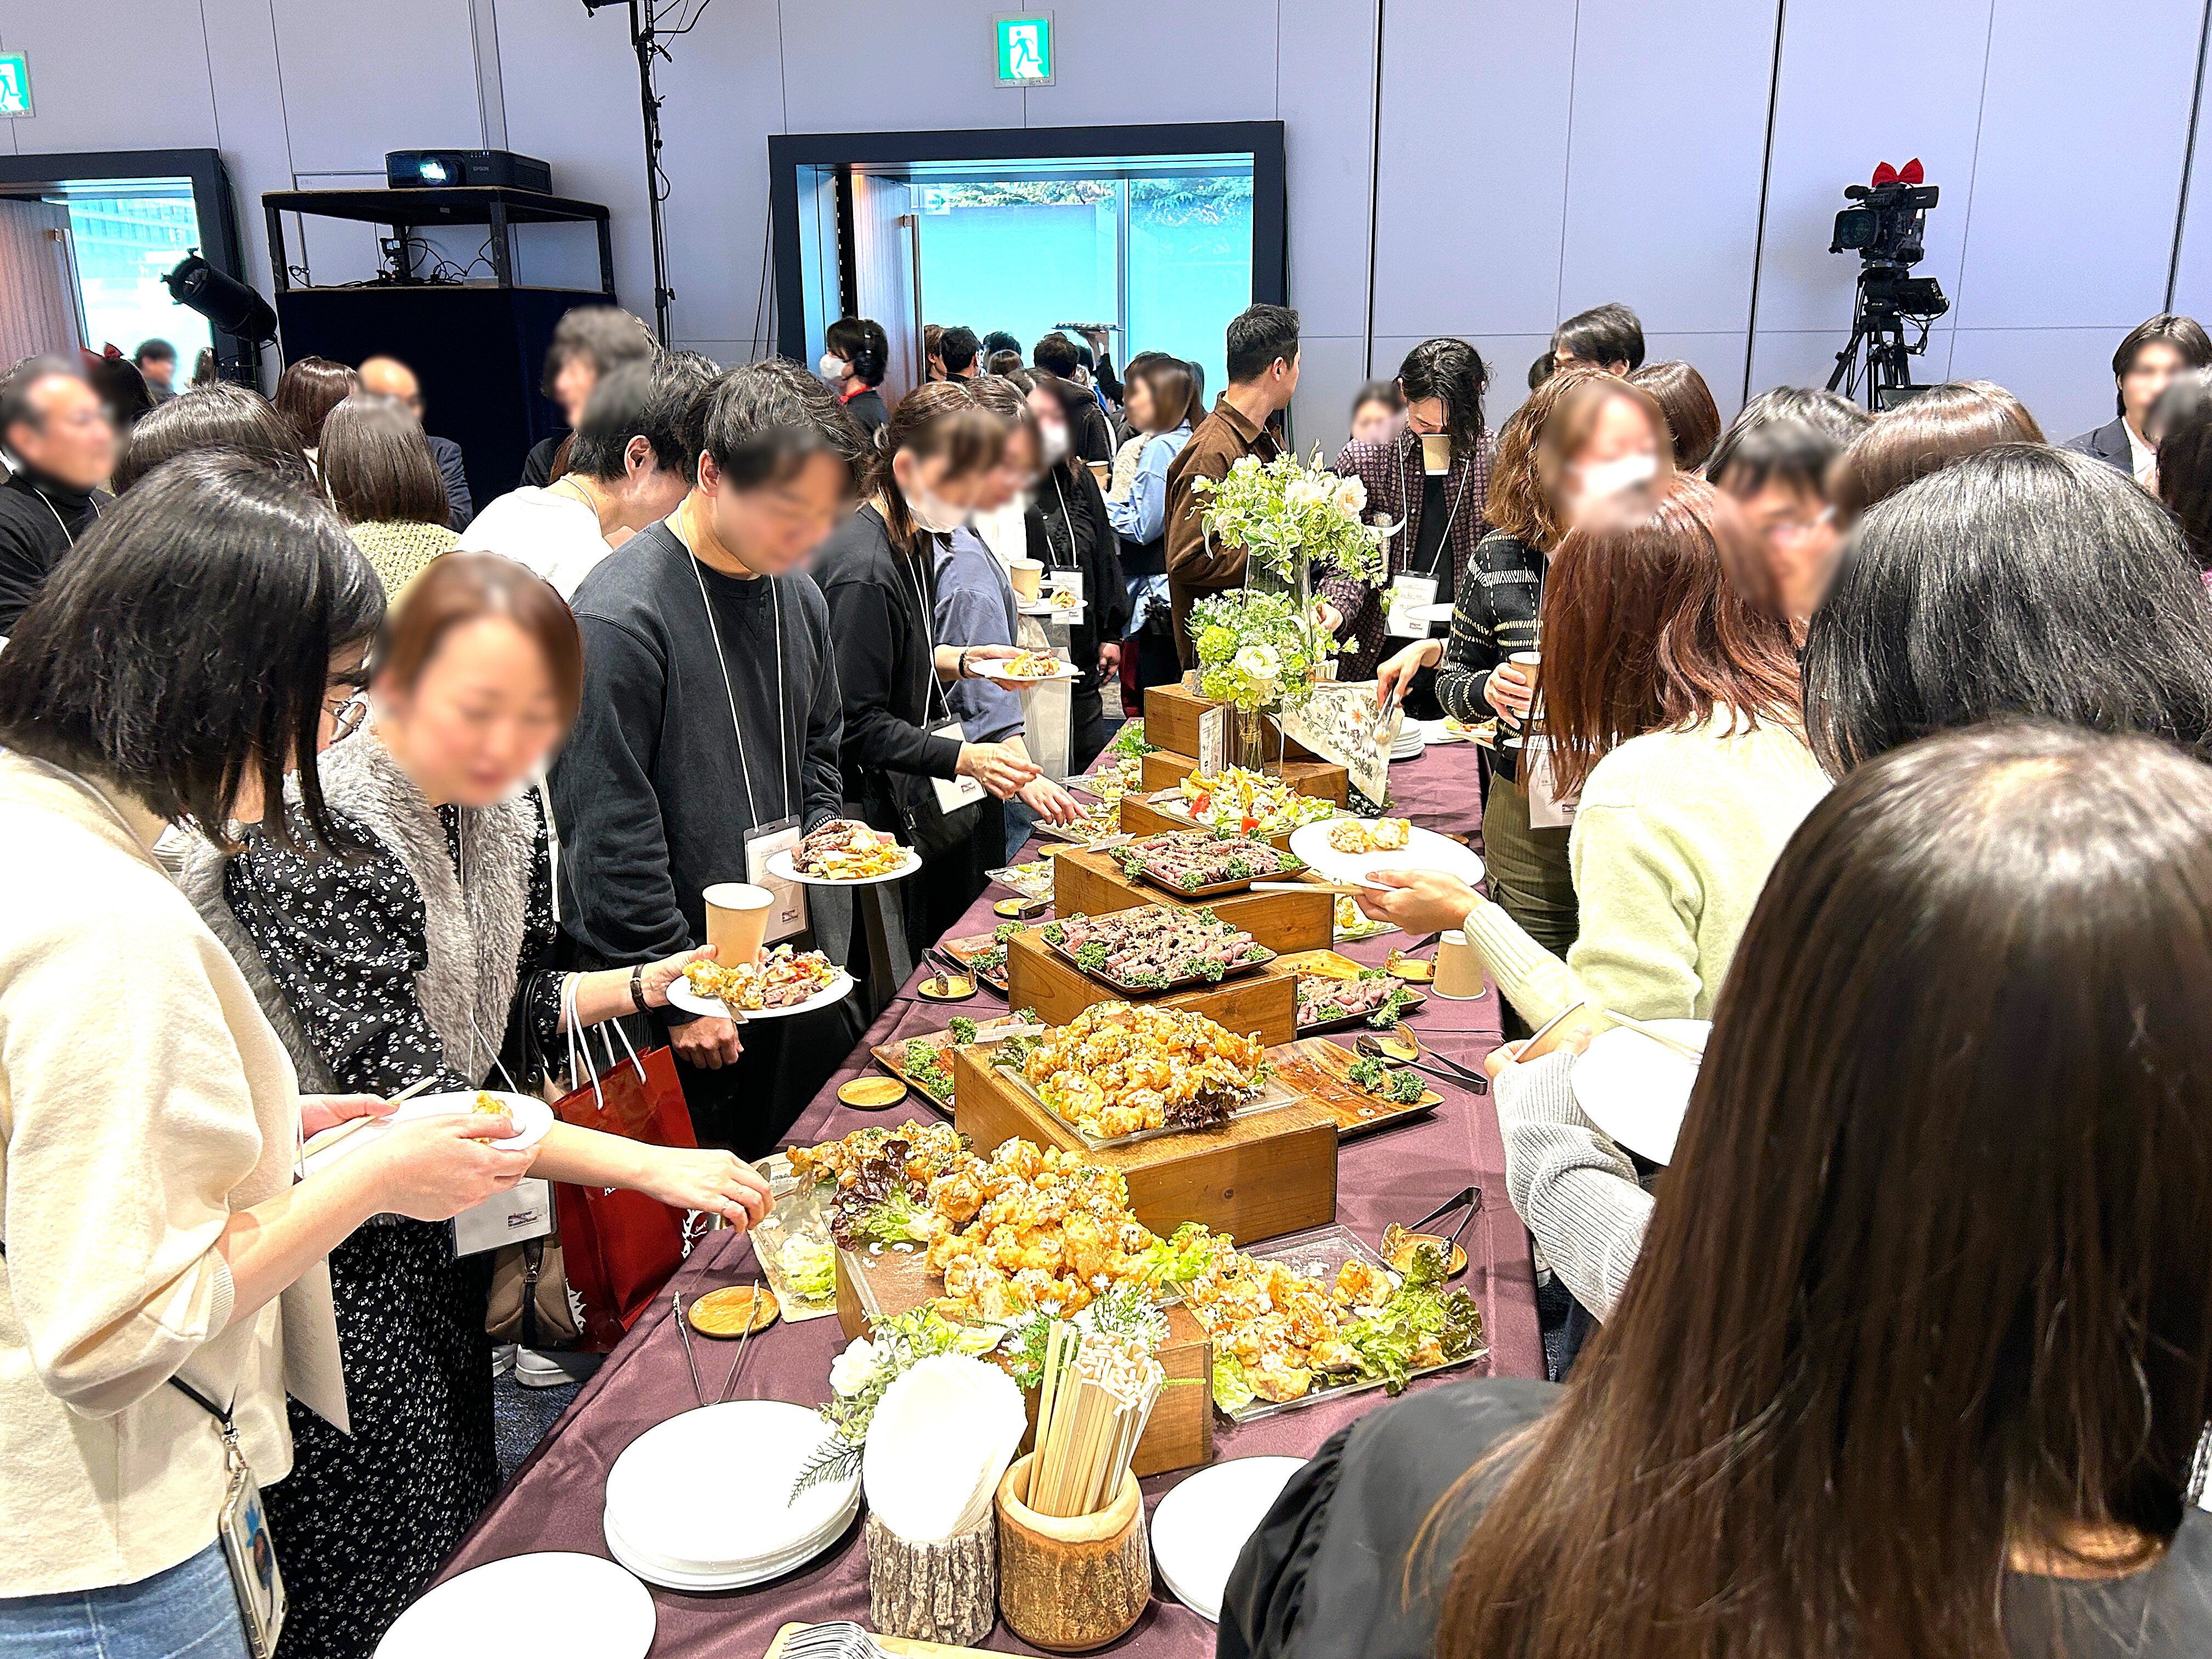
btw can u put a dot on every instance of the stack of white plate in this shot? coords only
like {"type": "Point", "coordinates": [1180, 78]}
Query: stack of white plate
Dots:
{"type": "Point", "coordinates": [1410, 742]}
{"type": "Point", "coordinates": [1201, 1527]}
{"type": "Point", "coordinates": [676, 1517]}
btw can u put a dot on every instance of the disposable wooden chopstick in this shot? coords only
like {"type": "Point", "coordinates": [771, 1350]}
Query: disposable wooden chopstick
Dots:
{"type": "Point", "coordinates": [330, 1137]}
{"type": "Point", "coordinates": [1656, 1036]}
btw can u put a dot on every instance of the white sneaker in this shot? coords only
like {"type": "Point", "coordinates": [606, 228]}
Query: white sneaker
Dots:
{"type": "Point", "coordinates": [536, 1370]}
{"type": "Point", "coordinates": [502, 1360]}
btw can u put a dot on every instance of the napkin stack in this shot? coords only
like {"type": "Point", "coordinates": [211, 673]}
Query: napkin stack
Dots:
{"type": "Point", "coordinates": [937, 1444]}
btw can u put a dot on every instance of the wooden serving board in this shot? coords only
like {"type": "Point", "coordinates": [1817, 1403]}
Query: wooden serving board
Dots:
{"type": "Point", "coordinates": [965, 950]}
{"type": "Point", "coordinates": [1171, 722]}
{"type": "Point", "coordinates": [1090, 882]}
{"type": "Point", "coordinates": [891, 1056]}
{"type": "Point", "coordinates": [1254, 1176]}
{"type": "Point", "coordinates": [1165, 768]}
{"type": "Point", "coordinates": [1263, 1001]}
{"type": "Point", "coordinates": [1180, 1435]}
{"type": "Point", "coordinates": [1317, 1068]}
{"type": "Point", "coordinates": [1333, 964]}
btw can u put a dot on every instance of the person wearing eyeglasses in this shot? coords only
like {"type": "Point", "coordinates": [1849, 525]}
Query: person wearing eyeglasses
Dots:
{"type": "Point", "coordinates": [60, 449]}
{"type": "Point", "coordinates": [1777, 471]}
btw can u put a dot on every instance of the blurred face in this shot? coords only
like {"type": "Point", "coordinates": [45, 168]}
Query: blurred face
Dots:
{"type": "Point", "coordinates": [572, 388]}
{"type": "Point", "coordinates": [772, 527]}
{"type": "Point", "coordinates": [1018, 465]}
{"type": "Point", "coordinates": [2155, 364]}
{"type": "Point", "coordinates": [71, 441]}
{"type": "Point", "coordinates": [390, 378]}
{"type": "Point", "coordinates": [480, 717]}
{"type": "Point", "coordinates": [1052, 423]}
{"type": "Point", "coordinates": [1425, 415]}
{"type": "Point", "coordinates": [1562, 356]}
{"type": "Point", "coordinates": [1797, 530]}
{"type": "Point", "coordinates": [1621, 452]}
{"type": "Point", "coordinates": [159, 371]}
{"type": "Point", "coordinates": [935, 496]}
{"type": "Point", "coordinates": [1136, 404]}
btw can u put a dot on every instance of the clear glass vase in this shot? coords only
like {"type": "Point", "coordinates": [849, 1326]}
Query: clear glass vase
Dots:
{"type": "Point", "coordinates": [1255, 741]}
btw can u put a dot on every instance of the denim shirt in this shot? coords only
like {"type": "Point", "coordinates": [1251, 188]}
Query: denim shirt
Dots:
{"type": "Point", "coordinates": [976, 605]}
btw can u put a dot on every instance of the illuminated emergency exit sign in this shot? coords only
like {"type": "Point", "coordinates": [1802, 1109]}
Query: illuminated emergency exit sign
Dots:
{"type": "Point", "coordinates": [1025, 49]}
{"type": "Point", "coordinates": [16, 82]}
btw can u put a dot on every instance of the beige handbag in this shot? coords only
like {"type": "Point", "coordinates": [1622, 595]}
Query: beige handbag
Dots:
{"type": "Point", "coordinates": [530, 1296]}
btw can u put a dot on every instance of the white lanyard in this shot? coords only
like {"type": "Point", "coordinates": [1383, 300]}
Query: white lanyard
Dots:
{"type": "Point", "coordinates": [1067, 518]}
{"type": "Point", "coordinates": [929, 633]}
{"type": "Point", "coordinates": [1444, 541]}
{"type": "Point", "coordinates": [55, 510]}
{"type": "Point", "coordinates": [782, 756]}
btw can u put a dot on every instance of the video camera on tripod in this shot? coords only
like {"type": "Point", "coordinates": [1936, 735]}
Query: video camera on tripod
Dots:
{"type": "Point", "coordinates": [1887, 230]}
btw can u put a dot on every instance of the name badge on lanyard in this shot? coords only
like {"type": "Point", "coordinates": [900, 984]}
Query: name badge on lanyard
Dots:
{"type": "Point", "coordinates": [953, 793]}
{"type": "Point", "coordinates": [1547, 810]}
{"type": "Point", "coordinates": [1406, 593]}
{"type": "Point", "coordinates": [786, 917]}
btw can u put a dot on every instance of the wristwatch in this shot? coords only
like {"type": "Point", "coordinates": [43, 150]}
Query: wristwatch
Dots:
{"type": "Point", "coordinates": [964, 674]}
{"type": "Point", "coordinates": [637, 988]}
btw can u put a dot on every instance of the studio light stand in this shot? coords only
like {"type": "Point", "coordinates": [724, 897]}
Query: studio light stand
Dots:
{"type": "Point", "coordinates": [646, 38]}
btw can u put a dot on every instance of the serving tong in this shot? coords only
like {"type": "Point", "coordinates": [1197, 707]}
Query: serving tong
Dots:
{"type": "Point", "coordinates": [691, 1358]}
{"type": "Point", "coordinates": [1436, 1065]}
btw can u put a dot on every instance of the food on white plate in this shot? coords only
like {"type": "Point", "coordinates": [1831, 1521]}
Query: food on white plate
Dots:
{"type": "Point", "coordinates": [1247, 802]}
{"type": "Point", "coordinates": [1370, 835]}
{"type": "Point", "coordinates": [486, 1105]}
{"type": "Point", "coordinates": [1095, 823]}
{"type": "Point", "coordinates": [1024, 666]}
{"type": "Point", "coordinates": [845, 849]}
{"type": "Point", "coordinates": [1065, 599]}
{"type": "Point", "coordinates": [779, 979]}
{"type": "Point", "coordinates": [1032, 880]}
{"type": "Point", "coordinates": [1118, 1069]}
{"type": "Point", "coordinates": [1374, 994]}
{"type": "Point", "coordinates": [1353, 922]}
{"type": "Point", "coordinates": [1192, 859]}
{"type": "Point", "coordinates": [1151, 946]}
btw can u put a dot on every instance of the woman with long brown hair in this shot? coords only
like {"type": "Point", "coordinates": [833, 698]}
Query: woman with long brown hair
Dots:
{"type": "Point", "coordinates": [381, 478]}
{"type": "Point", "coordinates": [306, 393]}
{"type": "Point", "coordinates": [878, 572]}
{"type": "Point", "coordinates": [1943, 424]}
{"type": "Point", "coordinates": [1918, 1356]}
{"type": "Point", "coordinates": [1582, 436]}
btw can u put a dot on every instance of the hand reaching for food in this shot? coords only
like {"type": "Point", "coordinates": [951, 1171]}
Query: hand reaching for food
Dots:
{"type": "Point", "coordinates": [1418, 901]}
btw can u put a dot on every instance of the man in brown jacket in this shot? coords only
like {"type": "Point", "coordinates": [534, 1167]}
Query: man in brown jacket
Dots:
{"type": "Point", "coordinates": [1263, 373]}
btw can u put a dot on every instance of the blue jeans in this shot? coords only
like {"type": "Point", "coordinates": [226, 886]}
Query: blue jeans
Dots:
{"type": "Point", "coordinates": [190, 1612]}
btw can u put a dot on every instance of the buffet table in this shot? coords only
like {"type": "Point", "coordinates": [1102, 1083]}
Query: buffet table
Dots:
{"type": "Point", "coordinates": [1399, 1174]}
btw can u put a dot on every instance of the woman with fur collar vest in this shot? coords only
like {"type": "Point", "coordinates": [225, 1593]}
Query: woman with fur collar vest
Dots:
{"type": "Point", "coordinates": [422, 949]}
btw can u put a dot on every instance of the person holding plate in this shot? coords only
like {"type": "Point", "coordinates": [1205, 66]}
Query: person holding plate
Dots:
{"type": "Point", "coordinates": [421, 947]}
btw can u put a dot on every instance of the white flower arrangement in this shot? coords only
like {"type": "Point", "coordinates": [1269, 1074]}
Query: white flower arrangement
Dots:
{"type": "Point", "coordinates": [1287, 514]}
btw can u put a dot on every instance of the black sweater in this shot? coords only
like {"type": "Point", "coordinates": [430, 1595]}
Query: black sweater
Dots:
{"type": "Point", "coordinates": [39, 519]}
{"type": "Point", "coordinates": [1079, 536]}
{"type": "Point", "coordinates": [648, 797]}
{"type": "Point", "coordinates": [881, 604]}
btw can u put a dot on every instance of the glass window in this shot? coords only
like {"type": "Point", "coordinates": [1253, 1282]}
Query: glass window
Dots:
{"type": "Point", "coordinates": [125, 239]}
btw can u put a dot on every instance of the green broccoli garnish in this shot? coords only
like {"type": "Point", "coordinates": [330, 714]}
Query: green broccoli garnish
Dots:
{"type": "Point", "coordinates": [1393, 1006]}
{"type": "Point", "coordinates": [1091, 958]}
{"type": "Point", "coordinates": [1005, 931]}
{"type": "Point", "coordinates": [1239, 868]}
{"type": "Point", "coordinates": [1204, 968]}
{"type": "Point", "coordinates": [1405, 1088]}
{"type": "Point", "coordinates": [964, 1030]}
{"type": "Point", "coordinates": [1191, 881]}
{"type": "Point", "coordinates": [1366, 1074]}
{"type": "Point", "coordinates": [1054, 934]}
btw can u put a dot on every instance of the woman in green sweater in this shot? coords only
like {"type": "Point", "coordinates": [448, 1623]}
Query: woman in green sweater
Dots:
{"type": "Point", "coordinates": [1671, 708]}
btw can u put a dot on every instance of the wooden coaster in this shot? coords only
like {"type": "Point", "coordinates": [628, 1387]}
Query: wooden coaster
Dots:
{"type": "Point", "coordinates": [1413, 969]}
{"type": "Point", "coordinates": [872, 1094]}
{"type": "Point", "coordinates": [947, 988]}
{"type": "Point", "coordinates": [733, 1311]}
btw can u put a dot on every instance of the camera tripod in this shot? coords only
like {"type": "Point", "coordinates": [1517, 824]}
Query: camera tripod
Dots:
{"type": "Point", "coordinates": [1877, 361]}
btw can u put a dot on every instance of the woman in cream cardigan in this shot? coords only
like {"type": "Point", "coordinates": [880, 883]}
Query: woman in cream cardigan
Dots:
{"type": "Point", "coordinates": [169, 673]}
{"type": "Point", "coordinates": [1671, 706]}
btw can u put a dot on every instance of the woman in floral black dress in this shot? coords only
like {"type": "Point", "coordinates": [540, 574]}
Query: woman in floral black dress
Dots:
{"type": "Point", "coordinates": [424, 951]}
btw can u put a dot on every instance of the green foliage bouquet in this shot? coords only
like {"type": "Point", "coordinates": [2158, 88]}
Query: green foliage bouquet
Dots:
{"type": "Point", "coordinates": [1255, 650]}
{"type": "Point", "coordinates": [1292, 516]}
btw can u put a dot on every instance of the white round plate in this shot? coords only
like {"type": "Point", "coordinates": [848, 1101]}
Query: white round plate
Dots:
{"type": "Point", "coordinates": [781, 866]}
{"type": "Point", "coordinates": [1430, 613]}
{"type": "Point", "coordinates": [670, 1504]}
{"type": "Point", "coordinates": [1068, 671]}
{"type": "Point", "coordinates": [532, 1119]}
{"type": "Point", "coordinates": [681, 995]}
{"type": "Point", "coordinates": [1201, 1527]}
{"type": "Point", "coordinates": [655, 1570]}
{"type": "Point", "coordinates": [1637, 1090]}
{"type": "Point", "coordinates": [1439, 732]}
{"type": "Point", "coordinates": [1425, 850]}
{"type": "Point", "coordinates": [552, 1605]}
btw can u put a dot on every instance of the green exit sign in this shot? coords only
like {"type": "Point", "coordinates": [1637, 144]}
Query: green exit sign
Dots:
{"type": "Point", "coordinates": [15, 83]}
{"type": "Point", "coordinates": [1023, 43]}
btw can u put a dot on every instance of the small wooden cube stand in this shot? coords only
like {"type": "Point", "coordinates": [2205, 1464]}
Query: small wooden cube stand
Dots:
{"type": "Point", "coordinates": [1263, 1001]}
{"type": "Point", "coordinates": [1163, 769]}
{"type": "Point", "coordinates": [1253, 1177]}
{"type": "Point", "coordinates": [1091, 883]}
{"type": "Point", "coordinates": [1171, 722]}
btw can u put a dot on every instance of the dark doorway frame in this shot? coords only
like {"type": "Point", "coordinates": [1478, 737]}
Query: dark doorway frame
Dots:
{"type": "Point", "coordinates": [788, 152]}
{"type": "Point", "coordinates": [213, 204]}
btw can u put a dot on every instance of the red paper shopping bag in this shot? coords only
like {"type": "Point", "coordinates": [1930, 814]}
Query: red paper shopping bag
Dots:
{"type": "Point", "coordinates": [620, 1247]}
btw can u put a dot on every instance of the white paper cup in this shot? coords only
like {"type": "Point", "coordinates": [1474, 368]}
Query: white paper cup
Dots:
{"type": "Point", "coordinates": [736, 920]}
{"type": "Point", "coordinates": [1028, 576]}
{"type": "Point", "coordinates": [1436, 453]}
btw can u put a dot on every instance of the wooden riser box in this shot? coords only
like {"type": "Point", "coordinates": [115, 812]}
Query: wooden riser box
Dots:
{"type": "Point", "coordinates": [1262, 1002]}
{"type": "Point", "coordinates": [1180, 1435]}
{"type": "Point", "coordinates": [1090, 883]}
{"type": "Point", "coordinates": [1163, 769]}
{"type": "Point", "coordinates": [1254, 1177]}
{"type": "Point", "coordinates": [1171, 722]}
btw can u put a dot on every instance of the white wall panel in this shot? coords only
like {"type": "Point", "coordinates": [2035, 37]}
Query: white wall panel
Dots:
{"type": "Point", "coordinates": [2079, 178]}
{"type": "Point", "coordinates": [1213, 61]}
{"type": "Point", "coordinates": [1325, 75]}
{"type": "Point", "coordinates": [241, 46]}
{"type": "Point", "coordinates": [1475, 96]}
{"type": "Point", "coordinates": [1663, 163]}
{"type": "Point", "coordinates": [894, 65]}
{"type": "Point", "coordinates": [2192, 284]}
{"type": "Point", "coordinates": [2065, 375]}
{"type": "Point", "coordinates": [111, 74]}
{"type": "Point", "coordinates": [362, 79]}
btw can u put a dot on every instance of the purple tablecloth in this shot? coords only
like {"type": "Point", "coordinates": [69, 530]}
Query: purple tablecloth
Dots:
{"type": "Point", "coordinates": [554, 1503]}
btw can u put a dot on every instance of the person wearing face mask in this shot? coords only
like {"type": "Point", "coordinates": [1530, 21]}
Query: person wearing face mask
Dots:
{"type": "Point", "coordinates": [626, 469]}
{"type": "Point", "coordinates": [856, 354]}
{"type": "Point", "coordinates": [1080, 538]}
{"type": "Point", "coordinates": [976, 605]}
{"type": "Point", "coordinates": [421, 947]}
{"type": "Point", "coordinates": [710, 727]}
{"type": "Point", "coordinates": [1582, 437]}
{"type": "Point", "coordinates": [1160, 395]}
{"type": "Point", "coordinates": [1430, 479]}
{"type": "Point", "coordinates": [909, 767]}
{"type": "Point", "coordinates": [588, 342]}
